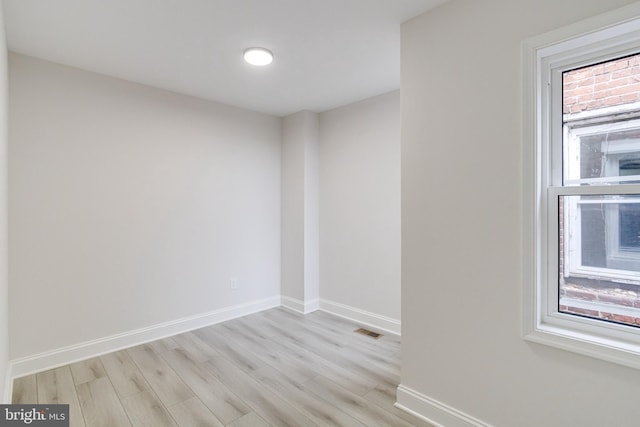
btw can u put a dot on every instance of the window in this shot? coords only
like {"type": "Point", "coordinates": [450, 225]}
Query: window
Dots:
{"type": "Point", "coordinates": [582, 187]}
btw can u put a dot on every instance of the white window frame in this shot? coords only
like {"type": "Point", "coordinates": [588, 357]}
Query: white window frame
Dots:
{"type": "Point", "coordinates": [602, 38]}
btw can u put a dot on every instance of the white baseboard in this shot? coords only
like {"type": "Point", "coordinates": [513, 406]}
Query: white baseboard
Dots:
{"type": "Point", "coordinates": [366, 318]}
{"type": "Point", "coordinates": [433, 411]}
{"type": "Point", "coordinates": [8, 385]}
{"type": "Point", "coordinates": [293, 304]}
{"type": "Point", "coordinates": [73, 353]}
{"type": "Point", "coordinates": [300, 306]}
{"type": "Point", "coordinates": [311, 305]}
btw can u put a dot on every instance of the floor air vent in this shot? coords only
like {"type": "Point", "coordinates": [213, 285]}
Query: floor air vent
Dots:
{"type": "Point", "coordinates": [367, 332]}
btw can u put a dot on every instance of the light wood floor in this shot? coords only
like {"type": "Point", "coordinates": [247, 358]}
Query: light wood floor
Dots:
{"type": "Point", "coordinates": [274, 368]}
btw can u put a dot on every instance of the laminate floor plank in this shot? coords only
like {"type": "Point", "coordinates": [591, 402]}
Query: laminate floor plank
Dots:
{"type": "Point", "coordinates": [87, 370]}
{"type": "Point", "coordinates": [167, 385]}
{"type": "Point", "coordinates": [250, 420]}
{"type": "Point", "coordinates": [330, 368]}
{"type": "Point", "coordinates": [274, 409]}
{"type": "Point", "coordinates": [336, 324]}
{"type": "Point", "coordinates": [390, 341]}
{"type": "Point", "coordinates": [100, 404]}
{"type": "Point", "coordinates": [294, 324]}
{"type": "Point", "coordinates": [277, 330]}
{"type": "Point", "coordinates": [123, 373]}
{"type": "Point", "coordinates": [365, 411]}
{"type": "Point", "coordinates": [370, 345]}
{"type": "Point", "coordinates": [289, 329]}
{"type": "Point", "coordinates": [193, 413]}
{"type": "Point", "coordinates": [254, 327]}
{"type": "Point", "coordinates": [56, 387]}
{"type": "Point", "coordinates": [371, 365]}
{"type": "Point", "coordinates": [386, 398]}
{"type": "Point", "coordinates": [226, 405]}
{"type": "Point", "coordinates": [347, 337]}
{"type": "Point", "coordinates": [326, 342]}
{"type": "Point", "coordinates": [196, 347]}
{"type": "Point", "coordinates": [334, 331]}
{"type": "Point", "coordinates": [387, 363]}
{"type": "Point", "coordinates": [344, 331]}
{"type": "Point", "coordinates": [213, 336]}
{"type": "Point", "coordinates": [272, 355]}
{"type": "Point", "coordinates": [288, 315]}
{"type": "Point", "coordinates": [292, 368]}
{"type": "Point", "coordinates": [314, 407]}
{"type": "Point", "coordinates": [162, 345]}
{"type": "Point", "coordinates": [244, 341]}
{"type": "Point", "coordinates": [350, 360]}
{"type": "Point", "coordinates": [25, 390]}
{"type": "Point", "coordinates": [146, 410]}
{"type": "Point", "coordinates": [275, 368]}
{"type": "Point", "coordinates": [310, 335]}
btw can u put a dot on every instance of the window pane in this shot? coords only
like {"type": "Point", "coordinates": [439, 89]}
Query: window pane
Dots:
{"type": "Point", "coordinates": [629, 229]}
{"type": "Point", "coordinates": [603, 154]}
{"type": "Point", "coordinates": [598, 86]}
{"type": "Point", "coordinates": [601, 110]}
{"type": "Point", "coordinates": [599, 257]}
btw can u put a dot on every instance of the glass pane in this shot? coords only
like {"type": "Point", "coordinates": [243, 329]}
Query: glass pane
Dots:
{"type": "Point", "coordinates": [601, 109]}
{"type": "Point", "coordinates": [601, 154]}
{"type": "Point", "coordinates": [599, 257]}
{"type": "Point", "coordinates": [606, 84]}
{"type": "Point", "coordinates": [629, 228]}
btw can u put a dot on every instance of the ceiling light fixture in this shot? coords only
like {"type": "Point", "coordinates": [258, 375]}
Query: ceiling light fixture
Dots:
{"type": "Point", "coordinates": [258, 56]}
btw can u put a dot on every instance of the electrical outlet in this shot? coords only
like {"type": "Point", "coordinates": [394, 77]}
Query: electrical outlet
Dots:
{"type": "Point", "coordinates": [233, 283]}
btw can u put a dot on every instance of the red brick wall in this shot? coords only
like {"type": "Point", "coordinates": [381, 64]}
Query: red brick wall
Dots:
{"type": "Point", "coordinates": [602, 85]}
{"type": "Point", "coordinates": [612, 296]}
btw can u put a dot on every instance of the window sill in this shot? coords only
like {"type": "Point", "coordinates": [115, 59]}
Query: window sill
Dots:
{"type": "Point", "coordinates": [619, 352]}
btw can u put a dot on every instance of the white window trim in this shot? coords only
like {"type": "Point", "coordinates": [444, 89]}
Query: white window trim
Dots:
{"type": "Point", "coordinates": [611, 35]}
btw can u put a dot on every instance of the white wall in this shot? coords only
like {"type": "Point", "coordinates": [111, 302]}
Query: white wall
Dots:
{"type": "Point", "coordinates": [462, 222]}
{"type": "Point", "coordinates": [360, 205]}
{"type": "Point", "coordinates": [293, 206]}
{"type": "Point", "coordinates": [4, 305]}
{"type": "Point", "coordinates": [300, 230]}
{"type": "Point", "coordinates": [131, 206]}
{"type": "Point", "coordinates": [311, 209]}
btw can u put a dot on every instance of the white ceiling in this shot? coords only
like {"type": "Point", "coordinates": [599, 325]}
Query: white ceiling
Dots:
{"type": "Point", "coordinates": [327, 52]}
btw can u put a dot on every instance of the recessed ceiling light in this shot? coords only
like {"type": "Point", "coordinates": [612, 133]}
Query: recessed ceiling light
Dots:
{"type": "Point", "coordinates": [258, 56]}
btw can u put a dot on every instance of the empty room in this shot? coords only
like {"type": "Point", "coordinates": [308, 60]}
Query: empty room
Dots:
{"type": "Point", "coordinates": [320, 213]}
